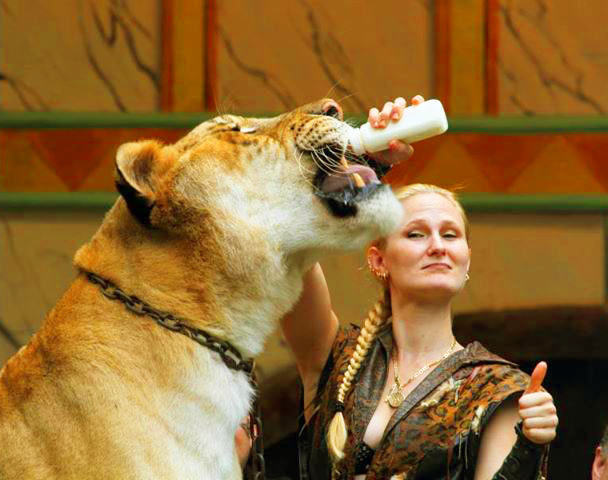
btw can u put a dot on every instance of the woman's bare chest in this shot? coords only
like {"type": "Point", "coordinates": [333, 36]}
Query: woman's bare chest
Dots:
{"type": "Point", "coordinates": [374, 432]}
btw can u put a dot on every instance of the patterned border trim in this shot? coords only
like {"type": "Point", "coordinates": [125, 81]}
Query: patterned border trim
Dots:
{"type": "Point", "coordinates": [531, 125]}
{"type": "Point", "coordinates": [211, 38]}
{"type": "Point", "coordinates": [458, 124]}
{"type": "Point", "coordinates": [442, 52]}
{"type": "Point", "coordinates": [473, 202]}
{"type": "Point", "coordinates": [51, 120]}
{"type": "Point", "coordinates": [166, 92]}
{"type": "Point", "coordinates": [182, 56]}
{"type": "Point", "coordinates": [492, 43]}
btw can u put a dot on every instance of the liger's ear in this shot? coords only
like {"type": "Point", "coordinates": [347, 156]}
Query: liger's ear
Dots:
{"type": "Point", "coordinates": [139, 166]}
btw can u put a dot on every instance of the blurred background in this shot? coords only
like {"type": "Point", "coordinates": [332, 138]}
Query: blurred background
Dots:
{"type": "Point", "coordinates": [524, 84]}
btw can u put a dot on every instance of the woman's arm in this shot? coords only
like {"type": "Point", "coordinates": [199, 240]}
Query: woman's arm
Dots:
{"type": "Point", "coordinates": [497, 440]}
{"type": "Point", "coordinates": [310, 329]}
{"type": "Point", "coordinates": [537, 412]}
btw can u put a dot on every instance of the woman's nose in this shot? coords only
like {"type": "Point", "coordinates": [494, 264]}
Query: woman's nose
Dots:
{"type": "Point", "coordinates": [436, 245]}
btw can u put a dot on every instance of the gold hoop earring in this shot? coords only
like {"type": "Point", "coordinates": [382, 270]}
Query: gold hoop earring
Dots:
{"type": "Point", "coordinates": [383, 276]}
{"type": "Point", "coordinates": [466, 279]}
{"type": "Point", "coordinates": [371, 267]}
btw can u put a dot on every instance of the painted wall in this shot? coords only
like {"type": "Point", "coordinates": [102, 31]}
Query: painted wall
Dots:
{"type": "Point", "coordinates": [479, 56]}
{"type": "Point", "coordinates": [551, 57]}
{"type": "Point", "coordinates": [519, 261]}
{"type": "Point", "coordinates": [493, 58]}
{"type": "Point", "coordinates": [78, 55]}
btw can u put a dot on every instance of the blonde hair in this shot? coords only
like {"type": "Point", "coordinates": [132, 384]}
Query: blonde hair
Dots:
{"type": "Point", "coordinates": [377, 316]}
{"type": "Point", "coordinates": [337, 432]}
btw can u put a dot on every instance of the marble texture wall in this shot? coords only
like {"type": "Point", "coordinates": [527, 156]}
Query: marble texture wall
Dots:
{"type": "Point", "coordinates": [36, 265]}
{"type": "Point", "coordinates": [79, 55]}
{"type": "Point", "coordinates": [274, 58]}
{"type": "Point", "coordinates": [553, 57]}
{"type": "Point", "coordinates": [106, 55]}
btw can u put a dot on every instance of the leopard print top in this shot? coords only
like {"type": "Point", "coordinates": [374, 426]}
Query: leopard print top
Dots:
{"type": "Point", "coordinates": [434, 434]}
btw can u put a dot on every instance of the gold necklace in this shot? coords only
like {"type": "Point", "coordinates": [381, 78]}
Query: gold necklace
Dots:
{"type": "Point", "coordinates": [395, 397]}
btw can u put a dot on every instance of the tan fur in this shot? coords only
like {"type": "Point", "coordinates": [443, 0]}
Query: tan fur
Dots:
{"type": "Point", "coordinates": [101, 393]}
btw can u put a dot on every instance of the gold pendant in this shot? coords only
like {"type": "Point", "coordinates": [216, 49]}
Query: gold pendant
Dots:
{"type": "Point", "coordinates": [395, 399]}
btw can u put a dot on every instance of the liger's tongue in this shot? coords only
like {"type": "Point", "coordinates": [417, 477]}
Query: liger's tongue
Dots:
{"type": "Point", "coordinates": [358, 175]}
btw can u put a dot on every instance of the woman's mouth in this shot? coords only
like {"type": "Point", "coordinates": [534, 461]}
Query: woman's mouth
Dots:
{"type": "Point", "coordinates": [438, 265]}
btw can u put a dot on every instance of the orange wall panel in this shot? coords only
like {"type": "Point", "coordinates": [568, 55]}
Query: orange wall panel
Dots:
{"type": "Point", "coordinates": [80, 55]}
{"type": "Point", "coordinates": [278, 54]}
{"type": "Point", "coordinates": [551, 57]}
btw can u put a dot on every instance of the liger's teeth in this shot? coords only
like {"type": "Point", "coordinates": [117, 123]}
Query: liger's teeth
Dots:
{"type": "Point", "coordinates": [358, 180]}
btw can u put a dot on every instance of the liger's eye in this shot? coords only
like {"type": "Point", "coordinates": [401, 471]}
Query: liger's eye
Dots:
{"type": "Point", "coordinates": [237, 128]}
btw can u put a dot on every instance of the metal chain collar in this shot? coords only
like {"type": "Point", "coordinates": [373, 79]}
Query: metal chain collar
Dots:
{"type": "Point", "coordinates": [256, 467]}
{"type": "Point", "coordinates": [230, 355]}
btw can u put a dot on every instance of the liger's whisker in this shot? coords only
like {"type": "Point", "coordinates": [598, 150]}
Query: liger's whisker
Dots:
{"type": "Point", "coordinates": [304, 169]}
{"type": "Point", "coordinates": [322, 165]}
{"type": "Point", "coordinates": [330, 163]}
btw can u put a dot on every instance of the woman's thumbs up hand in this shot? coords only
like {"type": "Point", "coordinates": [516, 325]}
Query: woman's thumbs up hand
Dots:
{"type": "Point", "coordinates": [537, 410]}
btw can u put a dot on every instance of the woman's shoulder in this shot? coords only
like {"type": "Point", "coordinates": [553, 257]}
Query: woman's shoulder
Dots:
{"type": "Point", "coordinates": [491, 374]}
{"type": "Point", "coordinates": [475, 351]}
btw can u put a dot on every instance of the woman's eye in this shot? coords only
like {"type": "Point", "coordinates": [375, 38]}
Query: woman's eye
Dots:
{"type": "Point", "coordinates": [414, 235]}
{"type": "Point", "coordinates": [450, 235]}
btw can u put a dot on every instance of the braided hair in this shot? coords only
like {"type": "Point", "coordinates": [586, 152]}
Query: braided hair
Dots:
{"type": "Point", "coordinates": [377, 316]}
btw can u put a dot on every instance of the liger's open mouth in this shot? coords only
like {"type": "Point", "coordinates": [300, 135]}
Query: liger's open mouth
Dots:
{"type": "Point", "coordinates": [342, 183]}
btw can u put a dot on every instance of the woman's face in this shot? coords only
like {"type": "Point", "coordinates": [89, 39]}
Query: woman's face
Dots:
{"type": "Point", "coordinates": [428, 257]}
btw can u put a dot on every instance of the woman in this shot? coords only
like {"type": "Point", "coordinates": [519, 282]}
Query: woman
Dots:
{"type": "Point", "coordinates": [401, 398]}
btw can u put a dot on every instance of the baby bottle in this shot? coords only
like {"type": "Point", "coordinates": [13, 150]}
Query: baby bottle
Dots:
{"type": "Point", "coordinates": [417, 123]}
